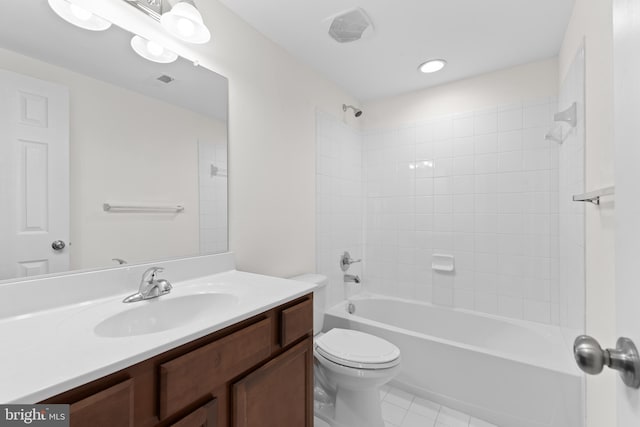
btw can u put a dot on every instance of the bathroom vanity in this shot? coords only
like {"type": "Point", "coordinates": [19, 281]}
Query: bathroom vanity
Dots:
{"type": "Point", "coordinates": [223, 348]}
{"type": "Point", "coordinates": [258, 372]}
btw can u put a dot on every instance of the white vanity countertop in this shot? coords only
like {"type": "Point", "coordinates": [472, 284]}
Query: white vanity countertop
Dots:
{"type": "Point", "coordinates": [51, 351]}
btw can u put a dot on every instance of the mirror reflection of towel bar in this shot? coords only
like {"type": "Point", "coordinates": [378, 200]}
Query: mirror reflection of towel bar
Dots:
{"type": "Point", "coordinates": [108, 207]}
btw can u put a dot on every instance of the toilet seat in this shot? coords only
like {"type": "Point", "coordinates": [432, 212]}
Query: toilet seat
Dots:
{"type": "Point", "coordinates": [357, 349]}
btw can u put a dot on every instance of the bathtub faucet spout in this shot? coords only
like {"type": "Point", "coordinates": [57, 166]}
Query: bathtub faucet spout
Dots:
{"type": "Point", "coordinates": [348, 278]}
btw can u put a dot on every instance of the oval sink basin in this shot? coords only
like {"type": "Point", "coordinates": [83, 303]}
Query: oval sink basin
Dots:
{"type": "Point", "coordinates": [158, 314]}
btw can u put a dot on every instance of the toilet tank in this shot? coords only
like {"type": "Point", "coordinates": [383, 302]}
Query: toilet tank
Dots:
{"type": "Point", "coordinates": [319, 297]}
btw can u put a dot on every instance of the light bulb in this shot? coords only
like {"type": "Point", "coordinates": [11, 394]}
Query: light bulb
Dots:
{"type": "Point", "coordinates": [154, 48]}
{"type": "Point", "coordinates": [151, 50]}
{"type": "Point", "coordinates": [80, 13]}
{"type": "Point", "coordinates": [186, 27]}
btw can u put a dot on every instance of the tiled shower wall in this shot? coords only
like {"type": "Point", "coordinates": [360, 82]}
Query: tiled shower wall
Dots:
{"type": "Point", "coordinates": [339, 202]}
{"type": "Point", "coordinates": [481, 186]}
{"type": "Point", "coordinates": [571, 295]}
{"type": "Point", "coordinates": [484, 186]}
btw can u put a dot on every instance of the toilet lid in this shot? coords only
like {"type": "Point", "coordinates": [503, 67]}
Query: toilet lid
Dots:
{"type": "Point", "coordinates": [357, 349]}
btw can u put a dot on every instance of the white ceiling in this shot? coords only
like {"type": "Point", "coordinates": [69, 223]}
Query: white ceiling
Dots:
{"type": "Point", "coordinates": [474, 36]}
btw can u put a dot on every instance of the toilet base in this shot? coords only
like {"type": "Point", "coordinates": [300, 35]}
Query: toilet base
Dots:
{"type": "Point", "coordinates": [358, 408]}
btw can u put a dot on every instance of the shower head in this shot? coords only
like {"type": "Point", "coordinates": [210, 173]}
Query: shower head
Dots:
{"type": "Point", "coordinates": [356, 111]}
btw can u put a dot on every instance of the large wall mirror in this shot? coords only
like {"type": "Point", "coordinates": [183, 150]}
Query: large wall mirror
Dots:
{"type": "Point", "coordinates": [105, 157]}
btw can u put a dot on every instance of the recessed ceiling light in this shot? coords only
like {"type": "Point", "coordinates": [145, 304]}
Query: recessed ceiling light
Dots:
{"type": "Point", "coordinates": [432, 65]}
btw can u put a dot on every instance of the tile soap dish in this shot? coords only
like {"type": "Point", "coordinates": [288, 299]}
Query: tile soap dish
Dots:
{"type": "Point", "coordinates": [442, 262]}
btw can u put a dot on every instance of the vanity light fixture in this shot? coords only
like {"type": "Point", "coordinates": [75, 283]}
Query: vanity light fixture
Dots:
{"type": "Point", "coordinates": [152, 51]}
{"type": "Point", "coordinates": [432, 65]}
{"type": "Point", "coordinates": [78, 16]}
{"type": "Point", "coordinates": [184, 21]}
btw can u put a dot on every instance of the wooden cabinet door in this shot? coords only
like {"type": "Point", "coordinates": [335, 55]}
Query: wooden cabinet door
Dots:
{"type": "Point", "coordinates": [278, 394]}
{"type": "Point", "coordinates": [109, 408]}
{"type": "Point", "coordinates": [205, 416]}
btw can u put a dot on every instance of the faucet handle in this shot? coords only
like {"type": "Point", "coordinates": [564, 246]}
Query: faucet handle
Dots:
{"type": "Point", "coordinates": [346, 261]}
{"type": "Point", "coordinates": [150, 274]}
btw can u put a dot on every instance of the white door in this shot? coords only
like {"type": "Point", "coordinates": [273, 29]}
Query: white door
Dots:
{"type": "Point", "coordinates": [627, 166]}
{"type": "Point", "coordinates": [34, 176]}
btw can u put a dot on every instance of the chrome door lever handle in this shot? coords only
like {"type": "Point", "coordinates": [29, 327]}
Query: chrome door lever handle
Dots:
{"type": "Point", "coordinates": [591, 358]}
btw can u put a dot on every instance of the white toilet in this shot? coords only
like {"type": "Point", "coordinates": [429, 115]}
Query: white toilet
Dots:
{"type": "Point", "coordinates": [350, 367]}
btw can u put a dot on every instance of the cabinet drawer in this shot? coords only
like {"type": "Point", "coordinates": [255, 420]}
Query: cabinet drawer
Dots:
{"type": "Point", "coordinates": [204, 416]}
{"type": "Point", "coordinates": [190, 377]}
{"type": "Point", "coordinates": [296, 322]}
{"type": "Point", "coordinates": [110, 407]}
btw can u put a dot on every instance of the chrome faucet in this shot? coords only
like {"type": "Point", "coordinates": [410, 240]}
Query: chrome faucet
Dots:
{"type": "Point", "coordinates": [348, 278]}
{"type": "Point", "coordinates": [150, 287]}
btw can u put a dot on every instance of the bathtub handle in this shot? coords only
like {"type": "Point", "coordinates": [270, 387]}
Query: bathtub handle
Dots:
{"type": "Point", "coordinates": [346, 261]}
{"type": "Point", "coordinates": [591, 358]}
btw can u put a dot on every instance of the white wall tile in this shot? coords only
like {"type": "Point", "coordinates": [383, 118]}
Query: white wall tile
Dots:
{"type": "Point", "coordinates": [463, 146]}
{"type": "Point", "coordinates": [464, 203]}
{"type": "Point", "coordinates": [443, 129]}
{"type": "Point", "coordinates": [464, 298]}
{"type": "Point", "coordinates": [442, 241]}
{"type": "Point", "coordinates": [510, 141]}
{"type": "Point", "coordinates": [443, 204]}
{"type": "Point", "coordinates": [443, 167]}
{"type": "Point", "coordinates": [510, 307]}
{"type": "Point", "coordinates": [537, 311]}
{"type": "Point", "coordinates": [485, 122]}
{"type": "Point", "coordinates": [464, 242]}
{"type": "Point", "coordinates": [424, 186]}
{"type": "Point", "coordinates": [486, 143]}
{"type": "Point", "coordinates": [463, 223]}
{"type": "Point", "coordinates": [443, 223]}
{"type": "Point", "coordinates": [486, 303]}
{"type": "Point", "coordinates": [463, 126]}
{"type": "Point", "coordinates": [509, 120]}
{"type": "Point", "coordinates": [536, 116]}
{"type": "Point", "coordinates": [442, 294]}
{"type": "Point", "coordinates": [463, 165]}
{"type": "Point", "coordinates": [486, 163]}
{"type": "Point", "coordinates": [464, 184]}
{"type": "Point", "coordinates": [443, 185]}
{"type": "Point", "coordinates": [485, 187]}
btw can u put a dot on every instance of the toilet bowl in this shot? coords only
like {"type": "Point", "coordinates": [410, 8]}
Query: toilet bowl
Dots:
{"type": "Point", "coordinates": [350, 367]}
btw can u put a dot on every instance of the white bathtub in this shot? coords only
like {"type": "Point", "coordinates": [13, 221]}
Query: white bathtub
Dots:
{"type": "Point", "coordinates": [509, 372]}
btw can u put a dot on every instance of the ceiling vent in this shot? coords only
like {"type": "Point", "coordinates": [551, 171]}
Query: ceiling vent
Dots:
{"type": "Point", "coordinates": [350, 26]}
{"type": "Point", "coordinates": [166, 79]}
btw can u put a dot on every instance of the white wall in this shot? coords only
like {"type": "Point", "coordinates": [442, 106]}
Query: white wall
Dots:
{"type": "Point", "coordinates": [591, 23]}
{"type": "Point", "coordinates": [503, 87]}
{"type": "Point", "coordinates": [119, 155]}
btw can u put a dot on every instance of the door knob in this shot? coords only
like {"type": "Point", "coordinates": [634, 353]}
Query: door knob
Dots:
{"type": "Point", "coordinates": [591, 358]}
{"type": "Point", "coordinates": [58, 245]}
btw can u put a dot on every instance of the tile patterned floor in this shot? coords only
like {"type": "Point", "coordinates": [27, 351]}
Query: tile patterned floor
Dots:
{"type": "Point", "coordinates": [402, 409]}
